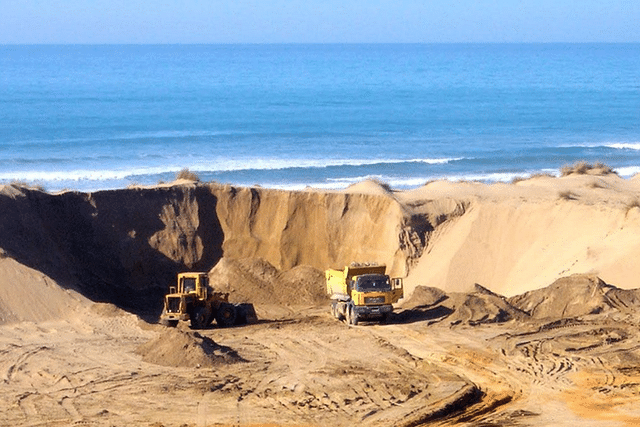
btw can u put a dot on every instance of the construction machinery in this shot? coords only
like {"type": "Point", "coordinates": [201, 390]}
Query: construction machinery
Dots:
{"type": "Point", "coordinates": [193, 299]}
{"type": "Point", "coordinates": [362, 291]}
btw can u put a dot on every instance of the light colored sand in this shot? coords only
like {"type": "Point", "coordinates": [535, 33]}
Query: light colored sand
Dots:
{"type": "Point", "coordinates": [515, 238]}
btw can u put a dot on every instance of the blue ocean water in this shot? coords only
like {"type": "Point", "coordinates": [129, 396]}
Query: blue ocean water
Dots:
{"type": "Point", "coordinates": [289, 116]}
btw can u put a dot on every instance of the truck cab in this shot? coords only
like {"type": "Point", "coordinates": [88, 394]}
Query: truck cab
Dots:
{"type": "Point", "coordinates": [362, 292]}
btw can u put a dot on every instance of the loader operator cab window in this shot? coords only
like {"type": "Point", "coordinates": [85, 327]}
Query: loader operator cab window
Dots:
{"type": "Point", "coordinates": [189, 284]}
{"type": "Point", "coordinates": [373, 283]}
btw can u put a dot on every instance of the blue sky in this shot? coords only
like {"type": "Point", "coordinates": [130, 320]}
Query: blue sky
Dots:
{"type": "Point", "coordinates": [318, 21]}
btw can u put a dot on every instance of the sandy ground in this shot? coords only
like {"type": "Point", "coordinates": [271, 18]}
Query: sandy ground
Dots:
{"type": "Point", "coordinates": [300, 366]}
{"type": "Point", "coordinates": [521, 306]}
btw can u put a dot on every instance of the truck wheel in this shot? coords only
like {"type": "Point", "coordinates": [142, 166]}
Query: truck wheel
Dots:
{"type": "Point", "coordinates": [352, 316]}
{"type": "Point", "coordinates": [226, 315]}
{"type": "Point", "coordinates": [199, 318]}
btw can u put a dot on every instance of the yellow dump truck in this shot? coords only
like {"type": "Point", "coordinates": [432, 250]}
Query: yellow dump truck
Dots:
{"type": "Point", "coordinates": [195, 301]}
{"type": "Point", "coordinates": [362, 291]}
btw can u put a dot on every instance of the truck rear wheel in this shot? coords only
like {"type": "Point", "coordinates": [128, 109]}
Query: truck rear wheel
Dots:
{"type": "Point", "coordinates": [226, 315]}
{"type": "Point", "coordinates": [334, 310]}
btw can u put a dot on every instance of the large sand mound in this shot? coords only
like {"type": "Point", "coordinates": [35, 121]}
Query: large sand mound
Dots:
{"type": "Point", "coordinates": [257, 281]}
{"type": "Point", "coordinates": [29, 295]}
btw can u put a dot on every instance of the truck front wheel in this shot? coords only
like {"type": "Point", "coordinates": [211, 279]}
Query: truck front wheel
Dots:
{"type": "Point", "coordinates": [352, 316]}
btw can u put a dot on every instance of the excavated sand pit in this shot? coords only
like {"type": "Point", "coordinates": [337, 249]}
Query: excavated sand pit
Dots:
{"type": "Point", "coordinates": [521, 308]}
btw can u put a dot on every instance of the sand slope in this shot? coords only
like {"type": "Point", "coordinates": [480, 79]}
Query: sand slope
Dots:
{"type": "Point", "coordinates": [515, 238]}
{"type": "Point", "coordinates": [126, 246]}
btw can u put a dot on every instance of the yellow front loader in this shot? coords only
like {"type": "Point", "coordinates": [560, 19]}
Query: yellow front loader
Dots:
{"type": "Point", "coordinates": [192, 299]}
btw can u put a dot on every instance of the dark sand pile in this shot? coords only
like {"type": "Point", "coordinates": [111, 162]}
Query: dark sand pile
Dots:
{"type": "Point", "coordinates": [424, 296]}
{"type": "Point", "coordinates": [177, 348]}
{"type": "Point", "coordinates": [472, 308]}
{"type": "Point", "coordinates": [574, 296]}
{"type": "Point", "coordinates": [567, 298]}
{"type": "Point", "coordinates": [483, 306]}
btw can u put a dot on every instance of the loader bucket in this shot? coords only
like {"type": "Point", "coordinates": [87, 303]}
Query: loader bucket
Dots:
{"type": "Point", "coordinates": [246, 314]}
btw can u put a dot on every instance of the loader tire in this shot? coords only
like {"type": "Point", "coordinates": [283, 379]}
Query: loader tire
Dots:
{"type": "Point", "coordinates": [226, 315]}
{"type": "Point", "coordinates": [199, 318]}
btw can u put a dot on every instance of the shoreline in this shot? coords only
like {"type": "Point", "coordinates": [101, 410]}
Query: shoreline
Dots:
{"type": "Point", "coordinates": [332, 184]}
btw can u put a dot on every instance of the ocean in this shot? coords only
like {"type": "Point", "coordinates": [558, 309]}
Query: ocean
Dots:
{"type": "Point", "coordinates": [94, 117]}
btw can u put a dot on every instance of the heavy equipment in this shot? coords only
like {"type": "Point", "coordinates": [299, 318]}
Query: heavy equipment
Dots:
{"type": "Point", "coordinates": [193, 299]}
{"type": "Point", "coordinates": [362, 291]}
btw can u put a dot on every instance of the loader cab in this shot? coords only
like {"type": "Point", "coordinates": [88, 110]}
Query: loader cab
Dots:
{"type": "Point", "coordinates": [192, 283]}
{"type": "Point", "coordinates": [189, 284]}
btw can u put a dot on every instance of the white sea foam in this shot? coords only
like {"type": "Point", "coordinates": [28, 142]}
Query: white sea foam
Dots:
{"type": "Point", "coordinates": [219, 165]}
{"type": "Point", "coordinates": [487, 177]}
{"type": "Point", "coordinates": [614, 145]}
{"type": "Point", "coordinates": [628, 171]}
{"type": "Point", "coordinates": [406, 182]}
{"type": "Point", "coordinates": [82, 175]}
{"type": "Point", "coordinates": [625, 146]}
{"type": "Point", "coordinates": [231, 165]}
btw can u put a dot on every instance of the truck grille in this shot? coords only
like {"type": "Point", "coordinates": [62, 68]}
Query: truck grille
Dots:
{"type": "Point", "coordinates": [374, 300]}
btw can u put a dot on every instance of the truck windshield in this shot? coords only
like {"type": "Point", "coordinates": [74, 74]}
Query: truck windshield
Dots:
{"type": "Point", "coordinates": [373, 283]}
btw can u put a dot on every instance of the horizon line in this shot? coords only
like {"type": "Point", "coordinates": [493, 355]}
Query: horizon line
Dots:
{"type": "Point", "coordinates": [322, 43]}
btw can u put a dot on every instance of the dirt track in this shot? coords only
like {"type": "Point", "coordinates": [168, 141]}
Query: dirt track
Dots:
{"type": "Point", "coordinates": [302, 367]}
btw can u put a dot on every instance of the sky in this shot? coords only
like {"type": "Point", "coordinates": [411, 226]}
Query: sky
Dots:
{"type": "Point", "coordinates": [318, 21]}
